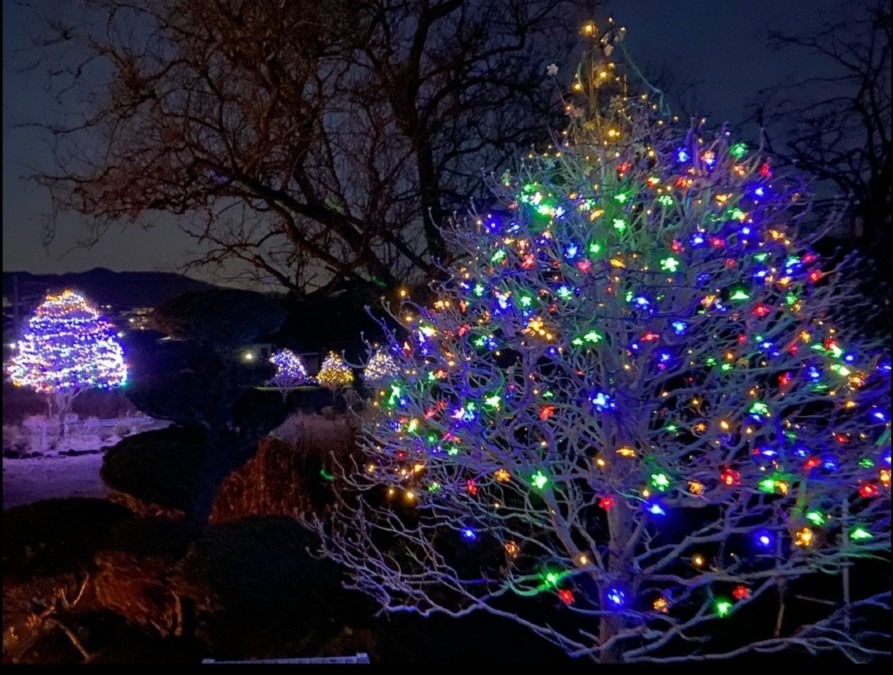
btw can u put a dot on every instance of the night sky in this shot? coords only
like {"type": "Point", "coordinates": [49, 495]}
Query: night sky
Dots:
{"type": "Point", "coordinates": [719, 43]}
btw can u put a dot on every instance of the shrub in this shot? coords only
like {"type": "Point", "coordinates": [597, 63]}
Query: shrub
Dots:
{"type": "Point", "coordinates": [292, 472]}
{"type": "Point", "coordinates": [270, 595]}
{"type": "Point", "coordinates": [161, 466]}
{"type": "Point", "coordinates": [52, 536]}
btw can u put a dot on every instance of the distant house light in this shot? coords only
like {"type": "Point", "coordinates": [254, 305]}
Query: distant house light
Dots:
{"type": "Point", "coordinates": [248, 356]}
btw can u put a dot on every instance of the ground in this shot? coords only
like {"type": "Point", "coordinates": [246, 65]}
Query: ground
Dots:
{"type": "Point", "coordinates": [72, 471]}
{"type": "Point", "coordinates": [30, 480]}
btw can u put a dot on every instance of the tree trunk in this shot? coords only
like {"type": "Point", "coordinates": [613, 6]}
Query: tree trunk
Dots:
{"type": "Point", "coordinates": [621, 528]}
{"type": "Point", "coordinates": [432, 212]}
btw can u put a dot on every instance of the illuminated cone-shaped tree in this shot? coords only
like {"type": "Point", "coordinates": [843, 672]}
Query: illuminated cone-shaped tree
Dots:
{"type": "Point", "coordinates": [334, 373]}
{"type": "Point", "coordinates": [632, 421]}
{"type": "Point", "coordinates": [290, 371]}
{"type": "Point", "coordinates": [66, 349]}
{"type": "Point", "coordinates": [380, 367]}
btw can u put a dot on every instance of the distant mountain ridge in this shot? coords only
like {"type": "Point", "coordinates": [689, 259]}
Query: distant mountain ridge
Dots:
{"type": "Point", "coordinates": [121, 290]}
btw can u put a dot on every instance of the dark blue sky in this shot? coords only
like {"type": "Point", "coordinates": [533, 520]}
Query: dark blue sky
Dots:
{"type": "Point", "coordinates": [720, 43]}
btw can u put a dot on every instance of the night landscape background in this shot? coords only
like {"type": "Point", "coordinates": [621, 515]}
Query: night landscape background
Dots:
{"type": "Point", "coordinates": [322, 172]}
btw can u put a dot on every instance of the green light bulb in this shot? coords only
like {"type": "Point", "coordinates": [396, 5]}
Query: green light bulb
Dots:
{"type": "Point", "coordinates": [860, 534]}
{"type": "Point", "coordinates": [816, 517]}
{"type": "Point", "coordinates": [669, 264]}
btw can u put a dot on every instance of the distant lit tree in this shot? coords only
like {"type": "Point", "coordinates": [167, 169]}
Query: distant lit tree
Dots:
{"type": "Point", "coordinates": [636, 420]}
{"type": "Point", "coordinates": [66, 349]}
{"type": "Point", "coordinates": [380, 367]}
{"type": "Point", "coordinates": [334, 373]}
{"type": "Point", "coordinates": [290, 371]}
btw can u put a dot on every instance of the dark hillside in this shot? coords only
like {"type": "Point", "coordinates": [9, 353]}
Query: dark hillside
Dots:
{"type": "Point", "coordinates": [121, 290]}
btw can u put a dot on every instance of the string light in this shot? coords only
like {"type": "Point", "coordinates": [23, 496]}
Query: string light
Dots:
{"type": "Point", "coordinates": [380, 367]}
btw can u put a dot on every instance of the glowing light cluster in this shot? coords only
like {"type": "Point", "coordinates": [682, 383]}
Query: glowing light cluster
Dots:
{"type": "Point", "coordinates": [380, 367]}
{"type": "Point", "coordinates": [290, 369]}
{"type": "Point", "coordinates": [68, 346]}
{"type": "Point", "coordinates": [334, 372]}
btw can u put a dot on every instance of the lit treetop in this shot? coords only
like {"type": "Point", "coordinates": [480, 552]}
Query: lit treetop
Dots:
{"type": "Point", "coordinates": [334, 372]}
{"type": "Point", "coordinates": [290, 370]}
{"type": "Point", "coordinates": [68, 347]}
{"type": "Point", "coordinates": [380, 367]}
{"type": "Point", "coordinates": [634, 388]}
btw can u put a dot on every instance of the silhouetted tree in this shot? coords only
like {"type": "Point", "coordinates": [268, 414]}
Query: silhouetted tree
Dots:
{"type": "Point", "coordinates": [196, 379]}
{"type": "Point", "coordinates": [310, 142]}
{"type": "Point", "coordinates": [836, 127]}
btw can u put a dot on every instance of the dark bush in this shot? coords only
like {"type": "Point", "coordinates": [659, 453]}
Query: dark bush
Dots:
{"type": "Point", "coordinates": [259, 556]}
{"type": "Point", "coordinates": [162, 467]}
{"type": "Point", "coordinates": [56, 535]}
{"type": "Point", "coordinates": [111, 640]}
{"type": "Point", "coordinates": [149, 537]}
{"type": "Point", "coordinates": [272, 597]}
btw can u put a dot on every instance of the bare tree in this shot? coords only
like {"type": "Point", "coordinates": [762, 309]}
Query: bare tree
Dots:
{"type": "Point", "coordinates": [837, 126]}
{"type": "Point", "coordinates": [635, 420]}
{"type": "Point", "coordinates": [308, 142]}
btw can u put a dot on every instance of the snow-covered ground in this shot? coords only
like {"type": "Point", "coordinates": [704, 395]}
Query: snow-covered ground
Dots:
{"type": "Point", "coordinates": [56, 474]}
{"type": "Point", "coordinates": [30, 480]}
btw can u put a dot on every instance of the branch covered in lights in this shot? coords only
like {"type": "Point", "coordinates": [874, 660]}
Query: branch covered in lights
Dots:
{"type": "Point", "coordinates": [637, 399]}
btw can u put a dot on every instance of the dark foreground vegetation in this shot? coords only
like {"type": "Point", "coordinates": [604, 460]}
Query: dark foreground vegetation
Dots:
{"type": "Point", "coordinates": [198, 551]}
{"type": "Point", "coordinates": [129, 580]}
{"type": "Point", "coordinates": [132, 579]}
{"type": "Point", "coordinates": [91, 581]}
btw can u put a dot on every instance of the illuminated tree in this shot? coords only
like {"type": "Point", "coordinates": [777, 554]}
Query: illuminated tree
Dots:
{"type": "Point", "coordinates": [66, 349]}
{"type": "Point", "coordinates": [290, 371]}
{"type": "Point", "coordinates": [334, 373]}
{"type": "Point", "coordinates": [636, 420]}
{"type": "Point", "coordinates": [380, 367]}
